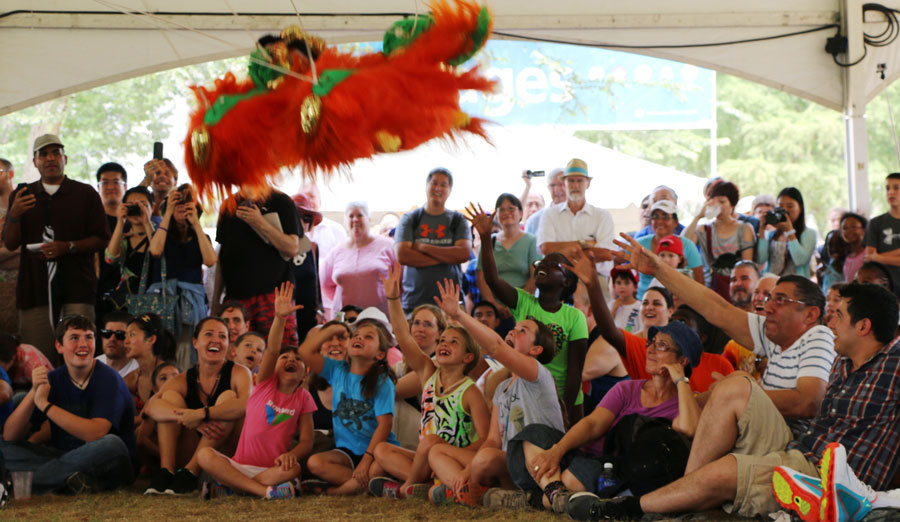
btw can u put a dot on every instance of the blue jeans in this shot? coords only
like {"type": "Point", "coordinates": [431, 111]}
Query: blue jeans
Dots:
{"type": "Point", "coordinates": [106, 459]}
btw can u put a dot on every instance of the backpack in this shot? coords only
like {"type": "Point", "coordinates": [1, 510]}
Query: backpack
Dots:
{"type": "Point", "coordinates": [649, 452]}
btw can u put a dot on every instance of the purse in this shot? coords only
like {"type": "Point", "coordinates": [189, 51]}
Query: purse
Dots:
{"type": "Point", "coordinates": [161, 304]}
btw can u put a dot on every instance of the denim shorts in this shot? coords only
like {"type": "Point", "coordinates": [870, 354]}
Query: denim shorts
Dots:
{"type": "Point", "coordinates": [586, 468]}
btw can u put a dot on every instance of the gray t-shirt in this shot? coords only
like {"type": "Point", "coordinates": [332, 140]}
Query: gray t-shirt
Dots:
{"type": "Point", "coordinates": [527, 402]}
{"type": "Point", "coordinates": [883, 233]}
{"type": "Point", "coordinates": [420, 284]}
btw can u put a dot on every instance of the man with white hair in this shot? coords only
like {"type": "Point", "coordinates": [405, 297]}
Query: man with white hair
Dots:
{"type": "Point", "coordinates": [576, 223]}
{"type": "Point", "coordinates": [557, 188]}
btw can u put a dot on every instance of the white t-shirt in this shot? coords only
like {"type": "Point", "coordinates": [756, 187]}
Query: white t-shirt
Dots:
{"type": "Point", "coordinates": [129, 367]}
{"type": "Point", "coordinates": [812, 355]}
{"type": "Point", "coordinates": [558, 223]}
{"type": "Point", "coordinates": [628, 317]}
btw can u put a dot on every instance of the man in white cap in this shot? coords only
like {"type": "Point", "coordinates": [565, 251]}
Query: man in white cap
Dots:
{"type": "Point", "coordinates": [60, 223]}
{"type": "Point", "coordinates": [576, 223]}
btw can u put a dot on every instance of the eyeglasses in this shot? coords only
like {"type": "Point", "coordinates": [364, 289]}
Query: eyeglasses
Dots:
{"type": "Point", "coordinates": [660, 346]}
{"type": "Point", "coordinates": [660, 217]}
{"type": "Point", "coordinates": [780, 299]}
{"type": "Point", "coordinates": [106, 334]}
{"type": "Point", "coordinates": [108, 182]}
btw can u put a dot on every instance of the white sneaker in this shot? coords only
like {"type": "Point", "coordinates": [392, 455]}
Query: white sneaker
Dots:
{"type": "Point", "coordinates": [845, 498]}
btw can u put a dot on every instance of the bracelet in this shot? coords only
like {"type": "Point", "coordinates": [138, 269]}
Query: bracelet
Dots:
{"type": "Point", "coordinates": [47, 408]}
{"type": "Point", "coordinates": [392, 298]}
{"type": "Point", "coordinates": [369, 454]}
{"type": "Point", "coordinates": [10, 219]}
{"type": "Point", "coordinates": [791, 232]}
{"type": "Point", "coordinates": [164, 229]}
{"type": "Point", "coordinates": [206, 414]}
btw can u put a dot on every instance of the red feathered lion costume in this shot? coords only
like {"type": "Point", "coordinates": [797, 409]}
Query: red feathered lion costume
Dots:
{"type": "Point", "coordinates": [245, 131]}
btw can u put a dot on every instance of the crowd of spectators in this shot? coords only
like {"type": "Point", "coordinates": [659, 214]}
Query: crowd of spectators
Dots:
{"type": "Point", "coordinates": [522, 356]}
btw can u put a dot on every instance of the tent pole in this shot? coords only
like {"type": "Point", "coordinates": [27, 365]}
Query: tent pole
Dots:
{"type": "Point", "coordinates": [856, 149]}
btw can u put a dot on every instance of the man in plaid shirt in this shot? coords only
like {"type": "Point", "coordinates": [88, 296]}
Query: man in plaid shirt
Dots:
{"type": "Point", "coordinates": [861, 409]}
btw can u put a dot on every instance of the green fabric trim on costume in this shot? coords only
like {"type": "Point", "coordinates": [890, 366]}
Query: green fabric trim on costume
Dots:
{"type": "Point", "coordinates": [260, 74]}
{"type": "Point", "coordinates": [478, 37]}
{"type": "Point", "coordinates": [329, 78]}
{"type": "Point", "coordinates": [399, 34]}
{"type": "Point", "coordinates": [226, 102]}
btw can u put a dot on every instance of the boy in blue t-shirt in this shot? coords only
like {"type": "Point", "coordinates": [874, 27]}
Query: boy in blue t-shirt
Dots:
{"type": "Point", "coordinates": [88, 443]}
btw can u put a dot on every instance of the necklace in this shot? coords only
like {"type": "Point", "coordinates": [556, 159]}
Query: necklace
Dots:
{"type": "Point", "coordinates": [449, 388]}
{"type": "Point", "coordinates": [214, 386]}
{"type": "Point", "coordinates": [81, 385]}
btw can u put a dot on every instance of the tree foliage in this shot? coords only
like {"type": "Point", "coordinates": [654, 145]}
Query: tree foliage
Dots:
{"type": "Point", "coordinates": [768, 140]}
{"type": "Point", "coordinates": [108, 123]}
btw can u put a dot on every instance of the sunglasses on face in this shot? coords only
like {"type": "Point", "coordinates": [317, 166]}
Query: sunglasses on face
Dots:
{"type": "Point", "coordinates": [106, 334]}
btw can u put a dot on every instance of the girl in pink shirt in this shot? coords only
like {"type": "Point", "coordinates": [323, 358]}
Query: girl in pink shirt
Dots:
{"type": "Point", "coordinates": [264, 464]}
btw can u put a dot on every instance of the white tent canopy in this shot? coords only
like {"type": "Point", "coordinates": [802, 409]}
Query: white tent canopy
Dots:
{"type": "Point", "coordinates": [56, 47]}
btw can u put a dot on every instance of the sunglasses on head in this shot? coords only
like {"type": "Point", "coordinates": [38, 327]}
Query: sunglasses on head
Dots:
{"type": "Point", "coordinates": [106, 334]}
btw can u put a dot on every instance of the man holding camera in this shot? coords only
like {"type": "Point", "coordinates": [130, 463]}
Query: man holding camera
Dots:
{"type": "Point", "coordinates": [60, 223]}
{"type": "Point", "coordinates": [260, 236]}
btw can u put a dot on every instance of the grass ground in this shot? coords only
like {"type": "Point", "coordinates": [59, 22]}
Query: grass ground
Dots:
{"type": "Point", "coordinates": [131, 505]}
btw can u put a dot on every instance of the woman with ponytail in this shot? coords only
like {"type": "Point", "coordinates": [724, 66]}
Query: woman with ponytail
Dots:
{"type": "Point", "coordinates": [148, 343]}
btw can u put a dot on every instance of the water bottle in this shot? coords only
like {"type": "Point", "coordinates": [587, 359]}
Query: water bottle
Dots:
{"type": "Point", "coordinates": [608, 484]}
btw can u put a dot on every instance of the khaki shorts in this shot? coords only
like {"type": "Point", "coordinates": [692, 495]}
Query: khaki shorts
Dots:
{"type": "Point", "coordinates": [762, 437]}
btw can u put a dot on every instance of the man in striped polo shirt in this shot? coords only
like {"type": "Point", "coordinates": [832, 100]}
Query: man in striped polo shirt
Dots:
{"type": "Point", "coordinates": [741, 417]}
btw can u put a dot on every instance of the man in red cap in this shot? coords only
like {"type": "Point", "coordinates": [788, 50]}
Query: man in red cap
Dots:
{"type": "Point", "coordinates": [260, 237]}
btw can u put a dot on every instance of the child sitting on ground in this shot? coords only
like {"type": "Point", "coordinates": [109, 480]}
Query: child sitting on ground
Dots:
{"type": "Point", "coordinates": [527, 397]}
{"type": "Point", "coordinates": [278, 408]}
{"type": "Point", "coordinates": [362, 406]}
{"type": "Point", "coordinates": [147, 444]}
{"type": "Point", "coordinates": [454, 412]}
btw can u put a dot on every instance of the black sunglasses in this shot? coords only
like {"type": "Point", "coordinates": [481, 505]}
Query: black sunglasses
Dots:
{"type": "Point", "coordinates": [106, 334]}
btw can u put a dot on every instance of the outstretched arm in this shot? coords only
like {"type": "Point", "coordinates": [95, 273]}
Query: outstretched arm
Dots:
{"type": "Point", "coordinates": [414, 356]}
{"type": "Point", "coordinates": [520, 364]}
{"type": "Point", "coordinates": [583, 267]}
{"type": "Point", "coordinates": [732, 320]}
{"type": "Point", "coordinates": [481, 223]}
{"type": "Point", "coordinates": [283, 308]}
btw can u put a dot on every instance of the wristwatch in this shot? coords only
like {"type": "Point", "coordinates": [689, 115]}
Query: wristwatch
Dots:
{"type": "Point", "coordinates": [681, 380]}
{"type": "Point", "coordinates": [71, 247]}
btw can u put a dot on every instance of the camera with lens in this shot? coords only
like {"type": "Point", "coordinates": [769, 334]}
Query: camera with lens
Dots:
{"type": "Point", "coordinates": [186, 196]}
{"type": "Point", "coordinates": [534, 173]}
{"type": "Point", "coordinates": [133, 210]}
{"type": "Point", "coordinates": [775, 216]}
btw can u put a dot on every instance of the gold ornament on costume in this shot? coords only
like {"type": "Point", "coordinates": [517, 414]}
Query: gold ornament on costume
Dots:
{"type": "Point", "coordinates": [310, 110]}
{"type": "Point", "coordinates": [200, 145]}
{"type": "Point", "coordinates": [387, 141]}
{"type": "Point", "coordinates": [462, 120]}
{"type": "Point", "coordinates": [293, 32]}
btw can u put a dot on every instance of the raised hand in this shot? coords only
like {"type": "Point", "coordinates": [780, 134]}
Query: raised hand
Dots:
{"type": "Point", "coordinates": [481, 221]}
{"type": "Point", "coordinates": [284, 296]}
{"type": "Point", "coordinates": [637, 256]}
{"type": "Point", "coordinates": [448, 298]}
{"type": "Point", "coordinates": [392, 281]}
{"type": "Point", "coordinates": [582, 265]}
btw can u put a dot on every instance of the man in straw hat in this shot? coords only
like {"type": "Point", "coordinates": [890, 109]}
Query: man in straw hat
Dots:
{"type": "Point", "coordinates": [576, 223]}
